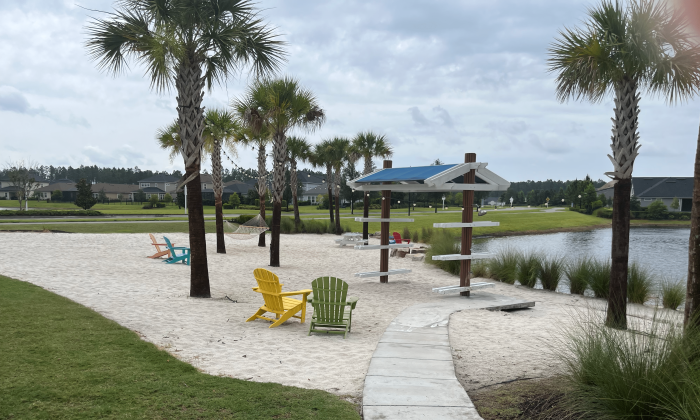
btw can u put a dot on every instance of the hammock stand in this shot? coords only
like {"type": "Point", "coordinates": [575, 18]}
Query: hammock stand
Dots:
{"type": "Point", "coordinates": [248, 230]}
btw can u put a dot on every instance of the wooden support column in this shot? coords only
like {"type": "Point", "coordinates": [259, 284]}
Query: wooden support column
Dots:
{"type": "Point", "coordinates": [386, 213]}
{"type": "Point", "coordinates": [467, 217]}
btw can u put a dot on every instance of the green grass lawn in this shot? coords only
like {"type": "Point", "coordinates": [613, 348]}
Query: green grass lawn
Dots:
{"type": "Point", "coordinates": [60, 360]}
{"type": "Point", "coordinates": [107, 227]}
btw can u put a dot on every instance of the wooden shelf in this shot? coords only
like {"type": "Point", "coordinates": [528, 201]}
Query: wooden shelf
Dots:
{"type": "Point", "coordinates": [454, 257]}
{"type": "Point", "coordinates": [390, 246]}
{"type": "Point", "coordinates": [382, 273]}
{"type": "Point", "coordinates": [465, 225]}
{"type": "Point", "coordinates": [457, 289]}
{"type": "Point", "coordinates": [379, 220]}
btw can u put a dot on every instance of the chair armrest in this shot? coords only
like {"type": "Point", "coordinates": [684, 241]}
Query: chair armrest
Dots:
{"type": "Point", "coordinates": [352, 302]}
{"type": "Point", "coordinates": [408, 241]}
{"type": "Point", "coordinates": [298, 292]}
{"type": "Point", "coordinates": [182, 248]}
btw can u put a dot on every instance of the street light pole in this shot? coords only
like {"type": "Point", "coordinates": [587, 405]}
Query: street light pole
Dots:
{"type": "Point", "coordinates": [579, 201]}
{"type": "Point", "coordinates": [443, 201]}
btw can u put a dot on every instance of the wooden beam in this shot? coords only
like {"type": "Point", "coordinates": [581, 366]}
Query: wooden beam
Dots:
{"type": "Point", "coordinates": [386, 214]}
{"type": "Point", "coordinates": [467, 217]}
{"type": "Point", "coordinates": [378, 220]}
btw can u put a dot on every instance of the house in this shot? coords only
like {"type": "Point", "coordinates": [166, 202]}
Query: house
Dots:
{"type": "Point", "coordinates": [66, 186]}
{"type": "Point", "coordinates": [8, 190]}
{"type": "Point", "coordinates": [121, 192]}
{"type": "Point", "coordinates": [650, 189]}
{"type": "Point", "coordinates": [313, 193]}
{"type": "Point", "coordinates": [164, 182]}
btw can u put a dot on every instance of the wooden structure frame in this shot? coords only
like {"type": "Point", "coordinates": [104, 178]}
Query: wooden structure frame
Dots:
{"type": "Point", "coordinates": [444, 178]}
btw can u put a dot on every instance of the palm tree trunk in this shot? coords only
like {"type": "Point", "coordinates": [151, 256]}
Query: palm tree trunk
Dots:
{"type": "Point", "coordinates": [692, 302]}
{"type": "Point", "coordinates": [329, 180]}
{"type": "Point", "coordinates": [365, 201]}
{"type": "Point", "coordinates": [336, 187]}
{"type": "Point", "coordinates": [218, 192]}
{"type": "Point", "coordinates": [280, 157]}
{"type": "Point", "coordinates": [294, 186]}
{"type": "Point", "coordinates": [261, 187]}
{"type": "Point", "coordinates": [190, 84]}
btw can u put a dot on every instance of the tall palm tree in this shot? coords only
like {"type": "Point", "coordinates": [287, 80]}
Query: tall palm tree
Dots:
{"type": "Point", "coordinates": [187, 44]}
{"type": "Point", "coordinates": [280, 105]}
{"type": "Point", "coordinates": [220, 127]}
{"type": "Point", "coordinates": [321, 158]}
{"type": "Point", "coordinates": [338, 153]}
{"type": "Point", "coordinates": [370, 145]}
{"type": "Point", "coordinates": [257, 141]}
{"type": "Point", "coordinates": [621, 50]}
{"type": "Point", "coordinates": [298, 151]}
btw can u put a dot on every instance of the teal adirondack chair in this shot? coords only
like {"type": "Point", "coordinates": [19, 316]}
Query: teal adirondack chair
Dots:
{"type": "Point", "coordinates": [184, 255]}
{"type": "Point", "coordinates": [332, 307]}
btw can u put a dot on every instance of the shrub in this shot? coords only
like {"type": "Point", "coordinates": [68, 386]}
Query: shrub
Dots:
{"type": "Point", "coordinates": [605, 213]}
{"type": "Point", "coordinates": [167, 198]}
{"type": "Point", "coordinates": [672, 294]}
{"type": "Point", "coordinates": [407, 234]}
{"type": "Point", "coordinates": [528, 269]}
{"type": "Point", "coordinates": [50, 213]}
{"type": "Point", "coordinates": [227, 206]}
{"type": "Point", "coordinates": [596, 204]}
{"type": "Point", "coordinates": [599, 279]}
{"type": "Point", "coordinates": [651, 371]}
{"type": "Point", "coordinates": [504, 266]}
{"type": "Point", "coordinates": [578, 273]}
{"type": "Point", "coordinates": [234, 201]}
{"type": "Point", "coordinates": [426, 235]}
{"type": "Point", "coordinates": [147, 206]}
{"type": "Point", "coordinates": [639, 284]}
{"type": "Point", "coordinates": [242, 218]}
{"type": "Point", "coordinates": [657, 210]}
{"type": "Point", "coordinates": [153, 200]}
{"type": "Point", "coordinates": [56, 195]}
{"type": "Point", "coordinates": [443, 242]}
{"type": "Point", "coordinates": [480, 268]}
{"type": "Point", "coordinates": [551, 271]}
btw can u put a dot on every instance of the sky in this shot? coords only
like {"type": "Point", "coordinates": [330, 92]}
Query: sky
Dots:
{"type": "Point", "coordinates": [439, 79]}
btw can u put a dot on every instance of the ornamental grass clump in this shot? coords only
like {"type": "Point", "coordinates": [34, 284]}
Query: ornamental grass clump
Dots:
{"type": "Point", "coordinates": [649, 371]}
{"type": "Point", "coordinates": [672, 294]}
{"type": "Point", "coordinates": [578, 273]}
{"type": "Point", "coordinates": [529, 269]}
{"type": "Point", "coordinates": [443, 243]}
{"type": "Point", "coordinates": [504, 266]}
{"type": "Point", "coordinates": [551, 272]}
{"type": "Point", "coordinates": [599, 279]}
{"type": "Point", "coordinates": [639, 284]}
{"type": "Point", "coordinates": [480, 268]}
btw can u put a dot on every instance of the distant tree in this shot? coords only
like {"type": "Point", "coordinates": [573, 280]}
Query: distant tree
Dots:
{"type": "Point", "coordinates": [234, 200]}
{"type": "Point", "coordinates": [371, 145]}
{"type": "Point", "coordinates": [153, 200]}
{"type": "Point", "coordinates": [180, 199]}
{"type": "Point", "coordinates": [167, 198]}
{"type": "Point", "coordinates": [23, 176]}
{"type": "Point", "coordinates": [675, 204]}
{"type": "Point", "coordinates": [299, 151]}
{"type": "Point", "coordinates": [102, 196]}
{"type": "Point", "coordinates": [84, 198]}
{"type": "Point", "coordinates": [140, 196]}
{"type": "Point", "coordinates": [635, 204]}
{"type": "Point", "coordinates": [57, 195]}
{"type": "Point", "coordinates": [657, 210]}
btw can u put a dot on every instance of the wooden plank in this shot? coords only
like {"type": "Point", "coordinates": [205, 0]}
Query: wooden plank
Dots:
{"type": "Point", "coordinates": [381, 220]}
{"type": "Point", "coordinates": [390, 246]}
{"type": "Point", "coordinates": [384, 239]}
{"type": "Point", "coordinates": [459, 289]}
{"type": "Point", "coordinates": [465, 225]}
{"type": "Point", "coordinates": [458, 257]}
{"type": "Point", "coordinates": [382, 273]}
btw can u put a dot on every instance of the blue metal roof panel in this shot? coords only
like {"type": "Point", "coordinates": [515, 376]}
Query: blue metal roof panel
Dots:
{"type": "Point", "coordinates": [416, 173]}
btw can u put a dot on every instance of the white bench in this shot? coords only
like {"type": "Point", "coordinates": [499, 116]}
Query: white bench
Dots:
{"type": "Point", "coordinates": [457, 289]}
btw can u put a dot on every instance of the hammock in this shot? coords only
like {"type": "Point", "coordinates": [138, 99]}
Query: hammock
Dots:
{"type": "Point", "coordinates": [249, 230]}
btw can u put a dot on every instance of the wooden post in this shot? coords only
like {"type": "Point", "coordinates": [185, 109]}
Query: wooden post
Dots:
{"type": "Point", "coordinates": [467, 217]}
{"type": "Point", "coordinates": [386, 213]}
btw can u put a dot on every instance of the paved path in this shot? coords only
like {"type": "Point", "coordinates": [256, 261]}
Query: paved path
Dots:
{"type": "Point", "coordinates": [411, 374]}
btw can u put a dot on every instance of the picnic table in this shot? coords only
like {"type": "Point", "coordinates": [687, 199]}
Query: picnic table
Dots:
{"type": "Point", "coordinates": [351, 238]}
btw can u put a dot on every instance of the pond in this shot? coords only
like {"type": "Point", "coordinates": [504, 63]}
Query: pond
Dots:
{"type": "Point", "coordinates": [662, 250]}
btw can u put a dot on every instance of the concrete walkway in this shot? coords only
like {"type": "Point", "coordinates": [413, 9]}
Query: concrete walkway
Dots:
{"type": "Point", "coordinates": [411, 374]}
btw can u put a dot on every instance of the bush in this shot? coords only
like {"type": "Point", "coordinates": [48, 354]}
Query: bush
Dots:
{"type": "Point", "coordinates": [167, 198]}
{"type": "Point", "coordinates": [528, 269]}
{"type": "Point", "coordinates": [242, 218]}
{"type": "Point", "coordinates": [672, 294]}
{"type": "Point", "coordinates": [153, 200]}
{"type": "Point", "coordinates": [657, 210]}
{"type": "Point", "coordinates": [56, 195]}
{"type": "Point", "coordinates": [233, 201]}
{"type": "Point", "coordinates": [407, 234]}
{"type": "Point", "coordinates": [605, 213]}
{"type": "Point", "coordinates": [374, 207]}
{"type": "Point", "coordinates": [426, 234]}
{"type": "Point", "coordinates": [480, 268]}
{"type": "Point", "coordinates": [504, 266]}
{"type": "Point", "coordinates": [599, 278]}
{"type": "Point", "coordinates": [651, 371]}
{"type": "Point", "coordinates": [596, 205]}
{"type": "Point", "coordinates": [227, 206]}
{"type": "Point", "coordinates": [50, 213]}
{"type": "Point", "coordinates": [551, 271]}
{"type": "Point", "coordinates": [639, 284]}
{"type": "Point", "coordinates": [578, 273]}
{"type": "Point", "coordinates": [442, 242]}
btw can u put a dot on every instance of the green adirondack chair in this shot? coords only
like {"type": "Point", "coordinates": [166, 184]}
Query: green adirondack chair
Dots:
{"type": "Point", "coordinates": [332, 307]}
{"type": "Point", "coordinates": [184, 253]}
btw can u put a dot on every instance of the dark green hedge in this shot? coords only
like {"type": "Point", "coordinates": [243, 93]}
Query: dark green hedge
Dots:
{"type": "Point", "coordinates": [50, 213]}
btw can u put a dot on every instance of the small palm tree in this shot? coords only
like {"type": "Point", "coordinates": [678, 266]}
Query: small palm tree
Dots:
{"type": "Point", "coordinates": [220, 127]}
{"type": "Point", "coordinates": [278, 106]}
{"type": "Point", "coordinates": [187, 44]}
{"type": "Point", "coordinates": [167, 138]}
{"type": "Point", "coordinates": [298, 151]}
{"type": "Point", "coordinates": [620, 51]}
{"type": "Point", "coordinates": [321, 158]}
{"type": "Point", "coordinates": [370, 145]}
{"type": "Point", "coordinates": [339, 151]}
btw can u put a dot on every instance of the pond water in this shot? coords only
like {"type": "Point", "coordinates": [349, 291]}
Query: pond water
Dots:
{"type": "Point", "coordinates": [662, 250]}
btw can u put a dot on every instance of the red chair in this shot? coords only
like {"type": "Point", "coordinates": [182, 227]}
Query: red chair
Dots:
{"type": "Point", "coordinates": [398, 240]}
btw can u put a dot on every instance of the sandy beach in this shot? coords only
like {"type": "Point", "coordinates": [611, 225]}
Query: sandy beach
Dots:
{"type": "Point", "coordinates": [110, 274]}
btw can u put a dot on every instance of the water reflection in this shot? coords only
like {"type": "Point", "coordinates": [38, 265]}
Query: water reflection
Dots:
{"type": "Point", "coordinates": [663, 250]}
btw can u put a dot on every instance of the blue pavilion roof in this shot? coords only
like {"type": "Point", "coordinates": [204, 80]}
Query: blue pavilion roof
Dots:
{"type": "Point", "coordinates": [416, 173]}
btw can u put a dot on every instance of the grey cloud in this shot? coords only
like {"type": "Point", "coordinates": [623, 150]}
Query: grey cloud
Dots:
{"type": "Point", "coordinates": [444, 116]}
{"type": "Point", "coordinates": [12, 100]}
{"type": "Point", "coordinates": [125, 155]}
{"type": "Point", "coordinates": [418, 118]}
{"type": "Point", "coordinates": [510, 127]}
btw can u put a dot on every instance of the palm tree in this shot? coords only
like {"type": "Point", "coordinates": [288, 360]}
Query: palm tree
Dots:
{"type": "Point", "coordinates": [620, 51]}
{"type": "Point", "coordinates": [187, 44]}
{"type": "Point", "coordinates": [167, 138]}
{"type": "Point", "coordinates": [321, 158]}
{"type": "Point", "coordinates": [259, 141]}
{"type": "Point", "coordinates": [220, 127]}
{"type": "Point", "coordinates": [298, 150]}
{"type": "Point", "coordinates": [338, 153]}
{"type": "Point", "coordinates": [279, 105]}
{"type": "Point", "coordinates": [370, 145]}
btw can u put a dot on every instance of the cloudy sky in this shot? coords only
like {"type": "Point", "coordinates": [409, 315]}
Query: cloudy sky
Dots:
{"type": "Point", "coordinates": [438, 78]}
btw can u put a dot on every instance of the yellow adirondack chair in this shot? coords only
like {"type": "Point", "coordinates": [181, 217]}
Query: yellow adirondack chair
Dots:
{"type": "Point", "coordinates": [276, 301]}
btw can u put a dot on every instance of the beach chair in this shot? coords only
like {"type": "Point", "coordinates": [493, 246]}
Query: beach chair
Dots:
{"type": "Point", "coordinates": [159, 252]}
{"type": "Point", "coordinates": [398, 239]}
{"type": "Point", "coordinates": [184, 256]}
{"type": "Point", "coordinates": [276, 301]}
{"type": "Point", "coordinates": [332, 307]}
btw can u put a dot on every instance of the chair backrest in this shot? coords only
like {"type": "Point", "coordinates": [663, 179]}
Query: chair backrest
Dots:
{"type": "Point", "coordinates": [170, 246]}
{"type": "Point", "coordinates": [330, 294]}
{"type": "Point", "coordinates": [397, 238]}
{"type": "Point", "coordinates": [270, 287]}
{"type": "Point", "coordinates": [153, 238]}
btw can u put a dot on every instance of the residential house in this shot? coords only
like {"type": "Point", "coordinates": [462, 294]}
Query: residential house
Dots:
{"type": "Point", "coordinates": [650, 189]}
{"type": "Point", "coordinates": [311, 186]}
{"type": "Point", "coordinates": [313, 193]}
{"type": "Point", "coordinates": [121, 192]}
{"type": "Point", "coordinates": [9, 191]}
{"type": "Point", "coordinates": [66, 186]}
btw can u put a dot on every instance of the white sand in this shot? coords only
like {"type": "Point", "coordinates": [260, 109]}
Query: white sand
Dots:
{"type": "Point", "coordinates": [111, 274]}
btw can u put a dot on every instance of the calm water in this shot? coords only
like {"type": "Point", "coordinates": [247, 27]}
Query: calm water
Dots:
{"type": "Point", "coordinates": [663, 250]}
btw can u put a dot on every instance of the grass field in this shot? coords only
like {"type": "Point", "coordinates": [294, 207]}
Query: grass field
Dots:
{"type": "Point", "coordinates": [61, 360]}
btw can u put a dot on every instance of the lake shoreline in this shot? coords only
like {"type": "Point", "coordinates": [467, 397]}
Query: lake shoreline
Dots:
{"type": "Point", "coordinates": [577, 229]}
